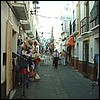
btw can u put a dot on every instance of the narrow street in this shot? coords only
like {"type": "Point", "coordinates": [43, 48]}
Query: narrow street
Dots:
{"type": "Point", "coordinates": [56, 40]}
{"type": "Point", "coordinates": [61, 83]}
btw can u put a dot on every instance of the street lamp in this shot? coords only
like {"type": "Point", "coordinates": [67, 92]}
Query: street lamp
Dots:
{"type": "Point", "coordinates": [35, 7]}
{"type": "Point", "coordinates": [35, 2]}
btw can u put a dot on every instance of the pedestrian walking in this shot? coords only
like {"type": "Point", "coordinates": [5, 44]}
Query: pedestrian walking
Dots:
{"type": "Point", "coordinates": [56, 58]}
{"type": "Point", "coordinates": [96, 66]}
{"type": "Point", "coordinates": [63, 55]}
{"type": "Point", "coordinates": [66, 60]}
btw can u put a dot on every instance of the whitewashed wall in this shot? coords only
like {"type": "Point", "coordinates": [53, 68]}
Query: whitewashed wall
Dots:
{"type": "Point", "coordinates": [91, 49]}
{"type": "Point", "coordinates": [93, 46]}
{"type": "Point", "coordinates": [73, 18]}
{"type": "Point", "coordinates": [75, 49]}
{"type": "Point", "coordinates": [80, 50]}
{"type": "Point", "coordinates": [4, 18]}
{"type": "Point", "coordinates": [82, 10]}
{"type": "Point", "coordinates": [74, 8]}
{"type": "Point", "coordinates": [15, 23]}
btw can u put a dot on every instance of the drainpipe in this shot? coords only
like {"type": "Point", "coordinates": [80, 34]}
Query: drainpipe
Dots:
{"type": "Point", "coordinates": [79, 18]}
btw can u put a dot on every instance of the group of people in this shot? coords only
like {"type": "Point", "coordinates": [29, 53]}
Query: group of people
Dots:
{"type": "Point", "coordinates": [60, 58]}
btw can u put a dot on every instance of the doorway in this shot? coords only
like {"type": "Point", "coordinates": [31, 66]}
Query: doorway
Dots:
{"type": "Point", "coordinates": [85, 56]}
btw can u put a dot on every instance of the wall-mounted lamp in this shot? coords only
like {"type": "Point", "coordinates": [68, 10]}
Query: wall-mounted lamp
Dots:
{"type": "Point", "coordinates": [35, 7]}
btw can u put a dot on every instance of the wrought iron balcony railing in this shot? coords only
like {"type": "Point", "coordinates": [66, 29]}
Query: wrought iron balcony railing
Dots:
{"type": "Point", "coordinates": [94, 15]}
{"type": "Point", "coordinates": [75, 25]}
{"type": "Point", "coordinates": [84, 24]}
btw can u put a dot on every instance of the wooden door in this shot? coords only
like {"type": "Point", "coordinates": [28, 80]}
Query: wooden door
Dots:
{"type": "Point", "coordinates": [8, 57]}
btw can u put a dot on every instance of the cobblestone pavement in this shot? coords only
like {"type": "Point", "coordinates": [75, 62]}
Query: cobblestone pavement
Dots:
{"type": "Point", "coordinates": [61, 83]}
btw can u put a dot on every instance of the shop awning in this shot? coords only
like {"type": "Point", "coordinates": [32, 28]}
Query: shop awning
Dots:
{"type": "Point", "coordinates": [71, 41]}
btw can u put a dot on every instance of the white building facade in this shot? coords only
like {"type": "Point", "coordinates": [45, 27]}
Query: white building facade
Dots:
{"type": "Point", "coordinates": [86, 37]}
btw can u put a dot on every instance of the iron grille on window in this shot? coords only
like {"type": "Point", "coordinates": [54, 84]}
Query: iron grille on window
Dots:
{"type": "Point", "coordinates": [84, 24]}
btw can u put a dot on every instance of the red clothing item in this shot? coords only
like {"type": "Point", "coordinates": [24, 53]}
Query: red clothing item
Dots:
{"type": "Point", "coordinates": [23, 71]}
{"type": "Point", "coordinates": [31, 73]}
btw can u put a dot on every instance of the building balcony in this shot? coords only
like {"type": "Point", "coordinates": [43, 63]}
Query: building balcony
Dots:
{"type": "Point", "coordinates": [75, 27]}
{"type": "Point", "coordinates": [20, 9]}
{"type": "Point", "coordinates": [94, 16]}
{"type": "Point", "coordinates": [84, 25]}
{"type": "Point", "coordinates": [25, 24]}
{"type": "Point", "coordinates": [94, 24]}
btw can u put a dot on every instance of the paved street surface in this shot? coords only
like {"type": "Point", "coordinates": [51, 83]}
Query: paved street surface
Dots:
{"type": "Point", "coordinates": [61, 83]}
